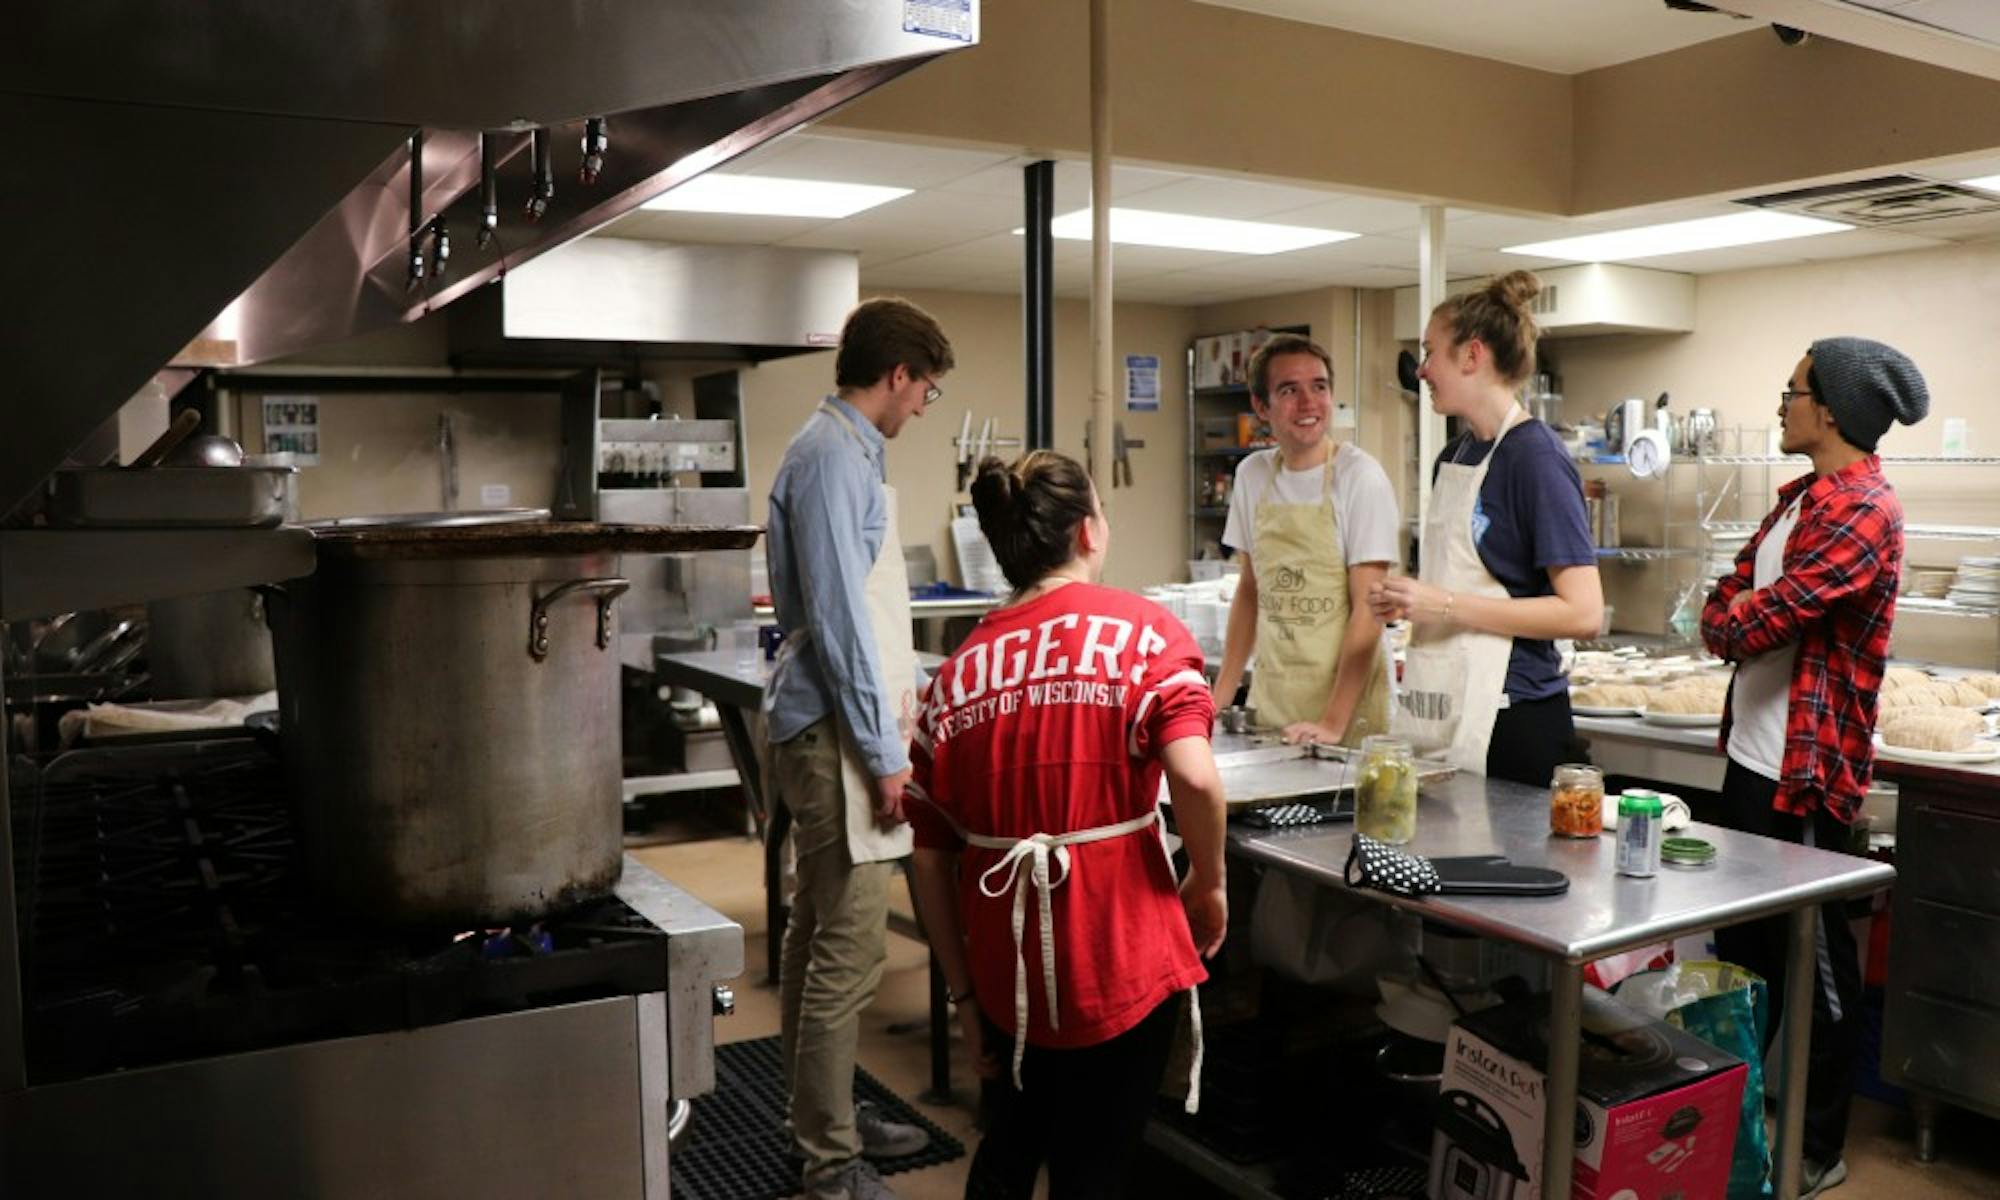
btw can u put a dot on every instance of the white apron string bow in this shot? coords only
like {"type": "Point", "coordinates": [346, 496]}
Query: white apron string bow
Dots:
{"type": "Point", "coordinates": [1037, 850]}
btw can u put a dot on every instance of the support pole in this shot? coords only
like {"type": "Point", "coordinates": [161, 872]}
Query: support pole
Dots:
{"type": "Point", "coordinates": [1100, 250]}
{"type": "Point", "coordinates": [1430, 293]}
{"type": "Point", "coordinates": [1038, 189]}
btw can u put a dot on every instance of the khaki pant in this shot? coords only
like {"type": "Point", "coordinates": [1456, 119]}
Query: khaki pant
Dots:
{"type": "Point", "coordinates": [834, 947]}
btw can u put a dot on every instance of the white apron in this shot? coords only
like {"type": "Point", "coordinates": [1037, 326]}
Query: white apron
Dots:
{"type": "Point", "coordinates": [1302, 608]}
{"type": "Point", "coordinates": [1454, 679]}
{"type": "Point", "coordinates": [1038, 850]}
{"type": "Point", "coordinates": [887, 593]}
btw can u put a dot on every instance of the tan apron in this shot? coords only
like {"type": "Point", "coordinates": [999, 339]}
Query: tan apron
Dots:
{"type": "Point", "coordinates": [1038, 850]}
{"type": "Point", "coordinates": [887, 594]}
{"type": "Point", "coordinates": [1302, 610]}
{"type": "Point", "coordinates": [1455, 679]}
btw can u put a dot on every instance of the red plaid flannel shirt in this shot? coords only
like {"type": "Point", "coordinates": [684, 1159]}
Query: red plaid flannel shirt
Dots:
{"type": "Point", "coordinates": [1836, 599]}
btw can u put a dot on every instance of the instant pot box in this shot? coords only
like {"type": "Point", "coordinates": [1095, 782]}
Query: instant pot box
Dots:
{"type": "Point", "coordinates": [1656, 1114]}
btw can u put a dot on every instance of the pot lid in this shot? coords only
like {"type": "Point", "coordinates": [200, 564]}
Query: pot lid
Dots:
{"type": "Point", "coordinates": [431, 520]}
{"type": "Point", "coordinates": [520, 539]}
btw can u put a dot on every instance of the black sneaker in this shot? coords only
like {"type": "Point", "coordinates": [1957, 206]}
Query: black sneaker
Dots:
{"type": "Point", "coordinates": [853, 1180]}
{"type": "Point", "coordinates": [883, 1138]}
{"type": "Point", "coordinates": [1815, 1178]}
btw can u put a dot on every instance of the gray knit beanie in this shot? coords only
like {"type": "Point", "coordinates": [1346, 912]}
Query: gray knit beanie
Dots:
{"type": "Point", "coordinates": [1867, 385]}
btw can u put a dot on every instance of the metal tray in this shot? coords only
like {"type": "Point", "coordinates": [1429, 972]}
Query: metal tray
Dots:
{"type": "Point", "coordinates": [170, 497]}
{"type": "Point", "coordinates": [1279, 773]}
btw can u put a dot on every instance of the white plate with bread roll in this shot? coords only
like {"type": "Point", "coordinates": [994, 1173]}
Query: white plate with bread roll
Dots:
{"type": "Point", "coordinates": [1982, 752]}
{"type": "Point", "coordinates": [1681, 720]}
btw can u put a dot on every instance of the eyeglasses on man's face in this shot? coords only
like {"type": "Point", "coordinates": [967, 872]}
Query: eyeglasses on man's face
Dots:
{"type": "Point", "coordinates": [932, 392]}
{"type": "Point", "coordinates": [1788, 395]}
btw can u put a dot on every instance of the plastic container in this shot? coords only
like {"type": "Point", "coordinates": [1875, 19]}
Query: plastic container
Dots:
{"type": "Point", "coordinates": [1385, 804]}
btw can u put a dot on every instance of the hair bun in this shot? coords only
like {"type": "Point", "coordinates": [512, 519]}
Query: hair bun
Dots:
{"type": "Point", "coordinates": [1516, 289]}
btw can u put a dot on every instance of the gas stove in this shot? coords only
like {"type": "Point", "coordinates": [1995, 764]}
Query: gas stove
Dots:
{"type": "Point", "coordinates": [180, 987]}
{"type": "Point", "coordinates": [163, 921]}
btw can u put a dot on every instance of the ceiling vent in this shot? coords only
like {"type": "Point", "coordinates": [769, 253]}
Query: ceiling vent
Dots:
{"type": "Point", "coordinates": [1888, 200]}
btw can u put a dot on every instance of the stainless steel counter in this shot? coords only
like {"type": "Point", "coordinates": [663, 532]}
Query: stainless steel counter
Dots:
{"type": "Point", "coordinates": [1671, 754]}
{"type": "Point", "coordinates": [1602, 913]}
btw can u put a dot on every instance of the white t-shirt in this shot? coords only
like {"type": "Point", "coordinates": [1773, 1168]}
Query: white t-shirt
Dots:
{"type": "Point", "coordinates": [1363, 502]}
{"type": "Point", "coordinates": [1763, 698]}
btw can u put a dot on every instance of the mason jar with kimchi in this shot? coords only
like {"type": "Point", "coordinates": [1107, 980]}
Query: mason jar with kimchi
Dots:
{"type": "Point", "coordinates": [1576, 801]}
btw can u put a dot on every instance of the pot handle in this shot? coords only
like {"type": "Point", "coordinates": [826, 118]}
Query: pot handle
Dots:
{"type": "Point", "coordinates": [608, 591]}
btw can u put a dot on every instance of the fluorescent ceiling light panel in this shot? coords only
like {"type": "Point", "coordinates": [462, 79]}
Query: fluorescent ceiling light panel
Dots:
{"type": "Point", "coordinates": [770, 196]}
{"type": "Point", "coordinates": [1680, 237]}
{"type": "Point", "coordinates": [1139, 227]}
{"type": "Point", "coordinates": [1985, 183]}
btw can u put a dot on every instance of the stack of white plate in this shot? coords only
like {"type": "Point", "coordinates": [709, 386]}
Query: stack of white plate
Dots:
{"type": "Point", "coordinates": [1722, 552]}
{"type": "Point", "coordinates": [1978, 583]}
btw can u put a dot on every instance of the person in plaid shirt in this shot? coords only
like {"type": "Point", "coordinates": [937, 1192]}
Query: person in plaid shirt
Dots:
{"type": "Point", "coordinates": [1805, 617]}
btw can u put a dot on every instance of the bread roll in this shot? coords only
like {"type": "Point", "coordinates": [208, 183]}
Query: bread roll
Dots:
{"type": "Point", "coordinates": [1903, 677]}
{"type": "Point", "coordinates": [1609, 695]}
{"type": "Point", "coordinates": [1949, 729]}
{"type": "Point", "coordinates": [1685, 699]}
{"type": "Point", "coordinates": [1988, 684]}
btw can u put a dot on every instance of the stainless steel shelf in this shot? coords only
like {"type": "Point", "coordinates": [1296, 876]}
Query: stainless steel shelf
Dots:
{"type": "Point", "coordinates": [1642, 553]}
{"type": "Point", "coordinates": [47, 571]}
{"type": "Point", "coordinates": [1946, 533]}
{"type": "Point", "coordinates": [1934, 460]}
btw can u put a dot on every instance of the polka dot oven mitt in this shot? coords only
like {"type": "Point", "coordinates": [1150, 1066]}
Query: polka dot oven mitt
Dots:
{"type": "Point", "coordinates": [1381, 866]}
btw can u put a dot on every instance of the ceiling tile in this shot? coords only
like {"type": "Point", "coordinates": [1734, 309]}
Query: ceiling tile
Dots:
{"type": "Point", "coordinates": [1858, 242]}
{"type": "Point", "coordinates": [877, 237]}
{"type": "Point", "coordinates": [1239, 199]}
{"type": "Point", "coordinates": [1367, 251]}
{"type": "Point", "coordinates": [1355, 214]}
{"type": "Point", "coordinates": [709, 227]}
{"type": "Point", "coordinates": [1072, 182]}
{"type": "Point", "coordinates": [856, 160]}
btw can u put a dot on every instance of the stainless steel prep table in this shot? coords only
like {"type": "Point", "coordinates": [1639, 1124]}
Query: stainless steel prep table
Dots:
{"type": "Point", "coordinates": [738, 692]}
{"type": "Point", "coordinates": [1602, 913]}
{"type": "Point", "coordinates": [1672, 754]}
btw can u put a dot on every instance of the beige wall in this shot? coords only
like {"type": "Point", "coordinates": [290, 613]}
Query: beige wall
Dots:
{"type": "Point", "coordinates": [1741, 114]}
{"type": "Point", "coordinates": [379, 450]}
{"type": "Point", "coordinates": [1148, 520]}
{"type": "Point", "coordinates": [1218, 90]}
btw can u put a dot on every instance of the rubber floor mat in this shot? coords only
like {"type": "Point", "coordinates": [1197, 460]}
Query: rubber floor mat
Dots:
{"type": "Point", "coordinates": [737, 1147]}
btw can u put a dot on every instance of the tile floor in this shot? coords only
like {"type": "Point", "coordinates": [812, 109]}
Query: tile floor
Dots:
{"type": "Point", "coordinates": [726, 872]}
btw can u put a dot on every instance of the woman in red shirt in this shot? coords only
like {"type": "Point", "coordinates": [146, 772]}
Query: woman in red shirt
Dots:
{"type": "Point", "coordinates": [1040, 870]}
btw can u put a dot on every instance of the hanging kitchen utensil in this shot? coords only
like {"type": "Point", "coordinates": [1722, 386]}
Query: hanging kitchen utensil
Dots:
{"type": "Point", "coordinates": [184, 423]}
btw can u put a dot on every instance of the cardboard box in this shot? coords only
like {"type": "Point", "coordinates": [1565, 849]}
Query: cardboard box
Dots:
{"type": "Point", "coordinates": [1656, 1112]}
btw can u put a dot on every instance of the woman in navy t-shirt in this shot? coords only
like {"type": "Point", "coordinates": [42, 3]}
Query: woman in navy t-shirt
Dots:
{"type": "Point", "coordinates": [1508, 564]}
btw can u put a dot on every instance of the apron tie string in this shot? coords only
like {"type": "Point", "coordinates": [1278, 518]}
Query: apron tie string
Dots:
{"type": "Point", "coordinates": [1037, 849]}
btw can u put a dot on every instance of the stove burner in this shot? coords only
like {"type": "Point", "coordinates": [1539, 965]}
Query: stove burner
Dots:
{"type": "Point", "coordinates": [162, 919]}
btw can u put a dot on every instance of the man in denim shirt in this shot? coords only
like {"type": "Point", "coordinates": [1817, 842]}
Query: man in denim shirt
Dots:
{"type": "Point", "coordinates": [834, 709]}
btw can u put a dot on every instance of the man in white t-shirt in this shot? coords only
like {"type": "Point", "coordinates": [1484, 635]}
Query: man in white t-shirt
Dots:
{"type": "Point", "coordinates": [1314, 522]}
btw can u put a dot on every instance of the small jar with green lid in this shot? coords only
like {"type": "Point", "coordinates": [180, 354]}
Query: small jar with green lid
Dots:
{"type": "Point", "coordinates": [1640, 819]}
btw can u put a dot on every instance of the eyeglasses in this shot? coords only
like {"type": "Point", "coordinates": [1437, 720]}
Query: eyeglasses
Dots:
{"type": "Point", "coordinates": [1786, 397]}
{"type": "Point", "coordinates": [932, 393]}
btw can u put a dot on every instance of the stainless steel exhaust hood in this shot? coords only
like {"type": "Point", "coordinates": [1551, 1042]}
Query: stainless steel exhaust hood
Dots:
{"type": "Point", "coordinates": [253, 160]}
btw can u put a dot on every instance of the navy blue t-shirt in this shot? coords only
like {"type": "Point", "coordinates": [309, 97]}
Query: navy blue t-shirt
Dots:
{"type": "Point", "coordinates": [1529, 518]}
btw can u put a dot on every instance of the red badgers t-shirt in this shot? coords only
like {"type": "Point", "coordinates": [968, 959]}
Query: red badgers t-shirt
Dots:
{"type": "Point", "coordinates": [1050, 719]}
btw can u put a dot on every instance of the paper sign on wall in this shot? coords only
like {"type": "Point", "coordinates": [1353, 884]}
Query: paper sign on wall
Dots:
{"type": "Point", "coordinates": [1142, 383]}
{"type": "Point", "coordinates": [1957, 435]}
{"type": "Point", "coordinates": [291, 426]}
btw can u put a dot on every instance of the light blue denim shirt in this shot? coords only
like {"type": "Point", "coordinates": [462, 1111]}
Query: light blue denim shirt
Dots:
{"type": "Point", "coordinates": [827, 520]}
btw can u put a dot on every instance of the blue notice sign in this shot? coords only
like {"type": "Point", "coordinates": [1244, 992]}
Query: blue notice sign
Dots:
{"type": "Point", "coordinates": [1142, 383]}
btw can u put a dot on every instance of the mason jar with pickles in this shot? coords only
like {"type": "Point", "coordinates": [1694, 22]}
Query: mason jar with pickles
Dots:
{"type": "Point", "coordinates": [1576, 801]}
{"type": "Point", "coordinates": [1385, 802]}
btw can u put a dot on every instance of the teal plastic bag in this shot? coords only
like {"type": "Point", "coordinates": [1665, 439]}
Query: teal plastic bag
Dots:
{"type": "Point", "coordinates": [1729, 1008]}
